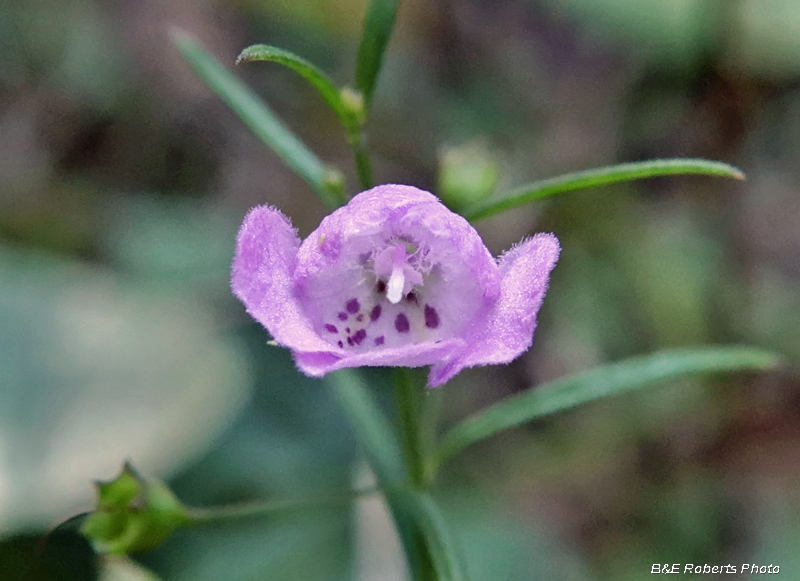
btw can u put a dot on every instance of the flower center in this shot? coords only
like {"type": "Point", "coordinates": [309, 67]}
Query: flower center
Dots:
{"type": "Point", "coordinates": [386, 298]}
{"type": "Point", "coordinates": [393, 262]}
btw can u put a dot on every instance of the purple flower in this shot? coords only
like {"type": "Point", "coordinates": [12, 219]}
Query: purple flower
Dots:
{"type": "Point", "coordinates": [393, 278]}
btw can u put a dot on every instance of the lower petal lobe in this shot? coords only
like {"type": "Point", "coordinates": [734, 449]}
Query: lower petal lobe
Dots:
{"type": "Point", "coordinates": [266, 251]}
{"type": "Point", "coordinates": [508, 329]}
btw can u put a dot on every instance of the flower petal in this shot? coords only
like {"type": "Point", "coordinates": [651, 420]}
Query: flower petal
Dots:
{"type": "Point", "coordinates": [375, 250]}
{"type": "Point", "coordinates": [317, 364]}
{"type": "Point", "coordinates": [266, 249]}
{"type": "Point", "coordinates": [507, 330]}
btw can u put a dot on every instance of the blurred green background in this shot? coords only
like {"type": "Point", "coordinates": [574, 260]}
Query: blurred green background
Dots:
{"type": "Point", "coordinates": [122, 183]}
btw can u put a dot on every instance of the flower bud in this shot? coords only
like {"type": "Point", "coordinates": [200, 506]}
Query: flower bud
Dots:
{"type": "Point", "coordinates": [132, 514]}
{"type": "Point", "coordinates": [467, 174]}
{"type": "Point", "coordinates": [353, 101]}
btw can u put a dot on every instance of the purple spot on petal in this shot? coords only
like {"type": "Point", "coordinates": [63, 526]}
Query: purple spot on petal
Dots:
{"type": "Point", "coordinates": [341, 344]}
{"type": "Point", "coordinates": [331, 328]}
{"type": "Point", "coordinates": [347, 330]}
{"type": "Point", "coordinates": [411, 297]}
{"type": "Point", "coordinates": [401, 323]}
{"type": "Point", "coordinates": [379, 340]}
{"type": "Point", "coordinates": [381, 286]}
{"type": "Point", "coordinates": [375, 314]}
{"type": "Point", "coordinates": [359, 318]}
{"type": "Point", "coordinates": [342, 316]}
{"type": "Point", "coordinates": [431, 317]}
{"type": "Point", "coordinates": [352, 306]}
{"type": "Point", "coordinates": [359, 336]}
{"type": "Point", "coordinates": [350, 341]}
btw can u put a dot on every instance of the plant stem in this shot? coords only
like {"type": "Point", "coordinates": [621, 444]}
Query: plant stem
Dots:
{"type": "Point", "coordinates": [363, 167]}
{"type": "Point", "coordinates": [408, 400]}
{"type": "Point", "coordinates": [408, 397]}
{"type": "Point", "coordinates": [221, 514]}
{"type": "Point", "coordinates": [429, 421]}
{"type": "Point", "coordinates": [363, 164]}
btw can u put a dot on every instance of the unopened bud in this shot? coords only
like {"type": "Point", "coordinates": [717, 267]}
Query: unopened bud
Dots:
{"type": "Point", "coordinates": [132, 514]}
{"type": "Point", "coordinates": [353, 101]}
{"type": "Point", "coordinates": [334, 183]}
{"type": "Point", "coordinates": [467, 174]}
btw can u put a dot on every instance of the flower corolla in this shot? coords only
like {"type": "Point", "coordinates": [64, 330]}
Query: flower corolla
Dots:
{"type": "Point", "coordinates": [393, 278]}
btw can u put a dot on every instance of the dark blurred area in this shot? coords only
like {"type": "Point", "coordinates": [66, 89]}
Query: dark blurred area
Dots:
{"type": "Point", "coordinates": [122, 184]}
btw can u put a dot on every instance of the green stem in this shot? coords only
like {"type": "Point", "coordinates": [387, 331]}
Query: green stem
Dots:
{"type": "Point", "coordinates": [363, 164]}
{"type": "Point", "coordinates": [408, 401]}
{"type": "Point", "coordinates": [221, 514]}
{"type": "Point", "coordinates": [429, 421]}
{"type": "Point", "coordinates": [408, 396]}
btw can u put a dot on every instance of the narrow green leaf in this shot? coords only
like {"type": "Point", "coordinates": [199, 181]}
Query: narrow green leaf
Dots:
{"type": "Point", "coordinates": [371, 426]}
{"type": "Point", "coordinates": [600, 177]}
{"type": "Point", "coordinates": [325, 181]}
{"type": "Point", "coordinates": [383, 454]}
{"type": "Point", "coordinates": [438, 540]}
{"type": "Point", "coordinates": [378, 25]}
{"type": "Point", "coordinates": [319, 80]}
{"type": "Point", "coordinates": [414, 512]}
{"type": "Point", "coordinates": [348, 105]}
{"type": "Point", "coordinates": [597, 383]}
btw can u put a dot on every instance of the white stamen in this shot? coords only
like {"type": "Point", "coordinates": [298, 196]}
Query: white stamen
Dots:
{"type": "Point", "coordinates": [394, 290]}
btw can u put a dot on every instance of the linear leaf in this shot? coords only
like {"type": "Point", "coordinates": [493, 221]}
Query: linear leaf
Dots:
{"type": "Point", "coordinates": [347, 104]}
{"type": "Point", "coordinates": [319, 80]}
{"type": "Point", "coordinates": [414, 513]}
{"type": "Point", "coordinates": [600, 177]}
{"type": "Point", "coordinates": [439, 542]}
{"type": "Point", "coordinates": [378, 25]}
{"type": "Point", "coordinates": [380, 446]}
{"type": "Point", "coordinates": [261, 120]}
{"type": "Point", "coordinates": [597, 383]}
{"type": "Point", "coordinates": [370, 425]}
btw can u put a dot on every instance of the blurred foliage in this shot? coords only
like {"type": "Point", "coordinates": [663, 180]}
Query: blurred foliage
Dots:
{"type": "Point", "coordinates": [757, 37]}
{"type": "Point", "coordinates": [122, 182]}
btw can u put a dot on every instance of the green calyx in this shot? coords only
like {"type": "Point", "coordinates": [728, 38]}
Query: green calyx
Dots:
{"type": "Point", "coordinates": [132, 514]}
